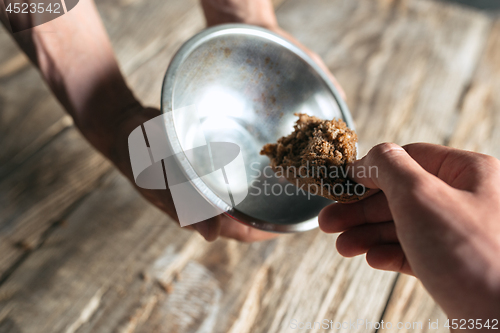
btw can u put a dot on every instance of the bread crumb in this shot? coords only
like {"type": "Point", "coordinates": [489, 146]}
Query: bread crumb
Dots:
{"type": "Point", "coordinates": [316, 154]}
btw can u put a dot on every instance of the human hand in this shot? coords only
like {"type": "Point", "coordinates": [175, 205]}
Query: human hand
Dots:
{"type": "Point", "coordinates": [436, 218]}
{"type": "Point", "coordinates": [253, 12]}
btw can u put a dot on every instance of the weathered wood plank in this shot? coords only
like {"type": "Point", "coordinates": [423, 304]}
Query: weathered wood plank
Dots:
{"type": "Point", "coordinates": [22, 136]}
{"type": "Point", "coordinates": [147, 73]}
{"type": "Point", "coordinates": [166, 24]}
{"type": "Point", "coordinates": [147, 78]}
{"type": "Point", "coordinates": [476, 129]}
{"type": "Point", "coordinates": [29, 115]}
{"type": "Point", "coordinates": [411, 307]}
{"type": "Point", "coordinates": [115, 270]}
{"type": "Point", "coordinates": [140, 29]}
{"type": "Point", "coordinates": [30, 123]}
{"type": "Point", "coordinates": [131, 269]}
{"type": "Point", "coordinates": [38, 193]}
{"type": "Point", "coordinates": [479, 116]}
{"type": "Point", "coordinates": [39, 118]}
{"type": "Point", "coordinates": [318, 284]}
{"type": "Point", "coordinates": [403, 64]}
{"type": "Point", "coordinates": [85, 277]}
{"type": "Point", "coordinates": [43, 118]}
{"type": "Point", "coordinates": [11, 60]}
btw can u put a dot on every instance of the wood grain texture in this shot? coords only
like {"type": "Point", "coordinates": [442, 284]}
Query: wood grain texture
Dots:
{"type": "Point", "coordinates": [163, 26]}
{"type": "Point", "coordinates": [28, 124]}
{"type": "Point", "coordinates": [85, 261]}
{"type": "Point", "coordinates": [479, 116]}
{"type": "Point", "coordinates": [413, 307]}
{"type": "Point", "coordinates": [118, 264]}
{"type": "Point", "coordinates": [12, 60]}
{"type": "Point", "coordinates": [147, 79]}
{"type": "Point", "coordinates": [130, 269]}
{"type": "Point", "coordinates": [125, 268]}
{"type": "Point", "coordinates": [38, 193]}
{"type": "Point", "coordinates": [318, 285]}
{"type": "Point", "coordinates": [145, 48]}
{"type": "Point", "coordinates": [403, 64]}
{"type": "Point", "coordinates": [29, 115]}
{"type": "Point", "coordinates": [476, 129]}
{"type": "Point", "coordinates": [146, 71]}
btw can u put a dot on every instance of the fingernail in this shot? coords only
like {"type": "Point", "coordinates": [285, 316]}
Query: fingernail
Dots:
{"type": "Point", "coordinates": [202, 228]}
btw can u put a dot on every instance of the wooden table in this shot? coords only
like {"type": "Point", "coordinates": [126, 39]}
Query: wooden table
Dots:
{"type": "Point", "coordinates": [81, 251]}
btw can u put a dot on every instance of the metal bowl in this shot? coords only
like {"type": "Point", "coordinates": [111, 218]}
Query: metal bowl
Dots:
{"type": "Point", "coordinates": [242, 84]}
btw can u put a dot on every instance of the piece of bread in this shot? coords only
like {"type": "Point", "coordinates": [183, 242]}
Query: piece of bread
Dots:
{"type": "Point", "coordinates": [315, 157]}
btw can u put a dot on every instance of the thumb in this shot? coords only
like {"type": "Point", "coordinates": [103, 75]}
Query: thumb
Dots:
{"type": "Point", "coordinates": [390, 168]}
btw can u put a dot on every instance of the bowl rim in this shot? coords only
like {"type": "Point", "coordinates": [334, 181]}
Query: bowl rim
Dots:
{"type": "Point", "coordinates": [167, 107]}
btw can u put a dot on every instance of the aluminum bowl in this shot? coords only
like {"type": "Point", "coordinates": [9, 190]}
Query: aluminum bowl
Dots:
{"type": "Point", "coordinates": [242, 84]}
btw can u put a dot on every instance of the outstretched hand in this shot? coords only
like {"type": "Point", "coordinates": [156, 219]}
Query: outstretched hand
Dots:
{"type": "Point", "coordinates": [436, 218]}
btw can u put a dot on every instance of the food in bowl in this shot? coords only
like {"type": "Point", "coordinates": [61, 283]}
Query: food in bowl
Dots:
{"type": "Point", "coordinates": [315, 157]}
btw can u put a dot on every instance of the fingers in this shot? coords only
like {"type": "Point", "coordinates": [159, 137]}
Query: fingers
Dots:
{"type": "Point", "coordinates": [392, 169]}
{"type": "Point", "coordinates": [397, 170]}
{"type": "Point", "coordinates": [359, 240]}
{"type": "Point", "coordinates": [253, 12]}
{"type": "Point", "coordinates": [380, 243]}
{"type": "Point", "coordinates": [458, 168]}
{"type": "Point", "coordinates": [340, 217]}
{"type": "Point", "coordinates": [389, 167]}
{"type": "Point", "coordinates": [389, 257]}
{"type": "Point", "coordinates": [430, 156]}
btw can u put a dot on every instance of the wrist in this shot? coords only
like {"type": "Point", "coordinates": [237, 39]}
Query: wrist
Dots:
{"type": "Point", "coordinates": [255, 12]}
{"type": "Point", "coordinates": [106, 130]}
{"type": "Point", "coordinates": [113, 141]}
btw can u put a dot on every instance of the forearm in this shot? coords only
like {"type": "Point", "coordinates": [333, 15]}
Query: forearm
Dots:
{"type": "Point", "coordinates": [75, 58]}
